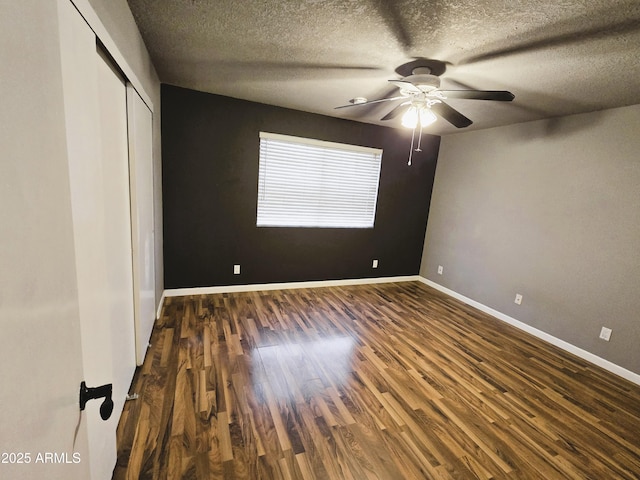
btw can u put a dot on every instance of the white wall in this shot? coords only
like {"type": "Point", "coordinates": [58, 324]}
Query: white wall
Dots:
{"type": "Point", "coordinates": [40, 349]}
{"type": "Point", "coordinates": [40, 366]}
{"type": "Point", "coordinates": [550, 210]}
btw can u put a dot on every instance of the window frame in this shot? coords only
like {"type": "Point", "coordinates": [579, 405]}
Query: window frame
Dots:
{"type": "Point", "coordinates": [290, 215]}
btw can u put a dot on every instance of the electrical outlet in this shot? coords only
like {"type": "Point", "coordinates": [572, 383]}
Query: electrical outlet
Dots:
{"type": "Point", "coordinates": [518, 299]}
{"type": "Point", "coordinates": [605, 334]}
{"type": "Point", "coordinates": [236, 269]}
{"type": "Point", "coordinates": [375, 264]}
{"type": "Point", "coordinates": [440, 269]}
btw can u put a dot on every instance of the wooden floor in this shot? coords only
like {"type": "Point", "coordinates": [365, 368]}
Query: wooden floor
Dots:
{"type": "Point", "coordinates": [391, 381]}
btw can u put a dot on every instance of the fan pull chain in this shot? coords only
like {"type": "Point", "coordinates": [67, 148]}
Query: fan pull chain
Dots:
{"type": "Point", "coordinates": [419, 138]}
{"type": "Point", "coordinates": [413, 134]}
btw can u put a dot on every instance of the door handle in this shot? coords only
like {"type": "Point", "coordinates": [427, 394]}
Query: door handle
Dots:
{"type": "Point", "coordinates": [91, 393]}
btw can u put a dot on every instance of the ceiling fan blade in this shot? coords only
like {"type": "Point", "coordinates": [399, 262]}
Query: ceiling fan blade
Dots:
{"type": "Point", "coordinates": [564, 33]}
{"type": "Point", "coordinates": [399, 110]}
{"type": "Point", "coordinates": [369, 102]}
{"type": "Point", "coordinates": [451, 115]}
{"type": "Point", "coordinates": [392, 15]}
{"type": "Point", "coordinates": [497, 95]}
{"type": "Point", "coordinates": [404, 85]}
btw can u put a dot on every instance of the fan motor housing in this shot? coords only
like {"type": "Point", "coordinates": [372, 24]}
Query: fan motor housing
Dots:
{"type": "Point", "coordinates": [424, 81]}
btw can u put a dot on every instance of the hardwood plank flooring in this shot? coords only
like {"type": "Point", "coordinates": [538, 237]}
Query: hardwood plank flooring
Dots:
{"type": "Point", "coordinates": [388, 381]}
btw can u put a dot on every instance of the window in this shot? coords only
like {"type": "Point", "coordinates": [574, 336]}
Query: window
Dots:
{"type": "Point", "coordinates": [312, 183]}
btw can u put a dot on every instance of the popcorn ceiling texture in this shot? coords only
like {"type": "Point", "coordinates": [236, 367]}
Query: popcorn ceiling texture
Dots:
{"type": "Point", "coordinates": [557, 57]}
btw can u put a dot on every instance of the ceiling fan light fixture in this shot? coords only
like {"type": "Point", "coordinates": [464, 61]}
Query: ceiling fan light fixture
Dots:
{"type": "Point", "coordinates": [417, 114]}
{"type": "Point", "coordinates": [427, 117]}
{"type": "Point", "coordinates": [421, 114]}
{"type": "Point", "coordinates": [410, 117]}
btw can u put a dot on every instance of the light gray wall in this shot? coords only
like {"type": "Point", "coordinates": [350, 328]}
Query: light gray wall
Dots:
{"type": "Point", "coordinates": [117, 18]}
{"type": "Point", "coordinates": [550, 210]}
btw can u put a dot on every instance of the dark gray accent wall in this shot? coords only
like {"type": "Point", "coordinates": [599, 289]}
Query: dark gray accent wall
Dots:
{"type": "Point", "coordinates": [210, 157]}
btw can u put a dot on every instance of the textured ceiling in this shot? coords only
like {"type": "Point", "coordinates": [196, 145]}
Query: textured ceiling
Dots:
{"type": "Point", "coordinates": [557, 57]}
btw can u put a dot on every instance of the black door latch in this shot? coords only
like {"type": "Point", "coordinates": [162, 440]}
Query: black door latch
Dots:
{"type": "Point", "coordinates": [88, 393]}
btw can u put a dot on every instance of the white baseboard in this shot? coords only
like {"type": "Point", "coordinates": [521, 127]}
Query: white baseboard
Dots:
{"type": "Point", "coordinates": [584, 354]}
{"type": "Point", "coordinates": [179, 292]}
{"type": "Point", "coordinates": [160, 305]}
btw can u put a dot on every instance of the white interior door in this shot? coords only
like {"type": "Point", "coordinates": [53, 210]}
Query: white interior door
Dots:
{"type": "Point", "coordinates": [140, 120]}
{"type": "Point", "coordinates": [96, 127]}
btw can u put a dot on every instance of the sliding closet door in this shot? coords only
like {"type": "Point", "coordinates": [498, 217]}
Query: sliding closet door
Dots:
{"type": "Point", "coordinates": [141, 171]}
{"type": "Point", "coordinates": [117, 217]}
{"type": "Point", "coordinates": [96, 131]}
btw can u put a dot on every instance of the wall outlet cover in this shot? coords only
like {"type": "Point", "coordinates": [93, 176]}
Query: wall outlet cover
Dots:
{"type": "Point", "coordinates": [440, 269]}
{"type": "Point", "coordinates": [605, 334]}
{"type": "Point", "coordinates": [375, 264]}
{"type": "Point", "coordinates": [236, 269]}
{"type": "Point", "coordinates": [518, 299]}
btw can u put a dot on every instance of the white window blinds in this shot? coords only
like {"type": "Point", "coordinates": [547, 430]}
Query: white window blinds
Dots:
{"type": "Point", "coordinates": [312, 183]}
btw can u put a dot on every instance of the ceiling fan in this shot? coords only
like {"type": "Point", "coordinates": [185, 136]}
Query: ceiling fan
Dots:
{"type": "Point", "coordinates": [424, 100]}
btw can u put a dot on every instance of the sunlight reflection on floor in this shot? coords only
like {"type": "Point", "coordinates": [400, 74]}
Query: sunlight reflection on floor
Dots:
{"type": "Point", "coordinates": [295, 367]}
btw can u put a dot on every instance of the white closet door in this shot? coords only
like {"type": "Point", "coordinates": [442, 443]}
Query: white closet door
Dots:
{"type": "Point", "coordinates": [141, 172]}
{"type": "Point", "coordinates": [96, 127]}
{"type": "Point", "coordinates": [117, 217]}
